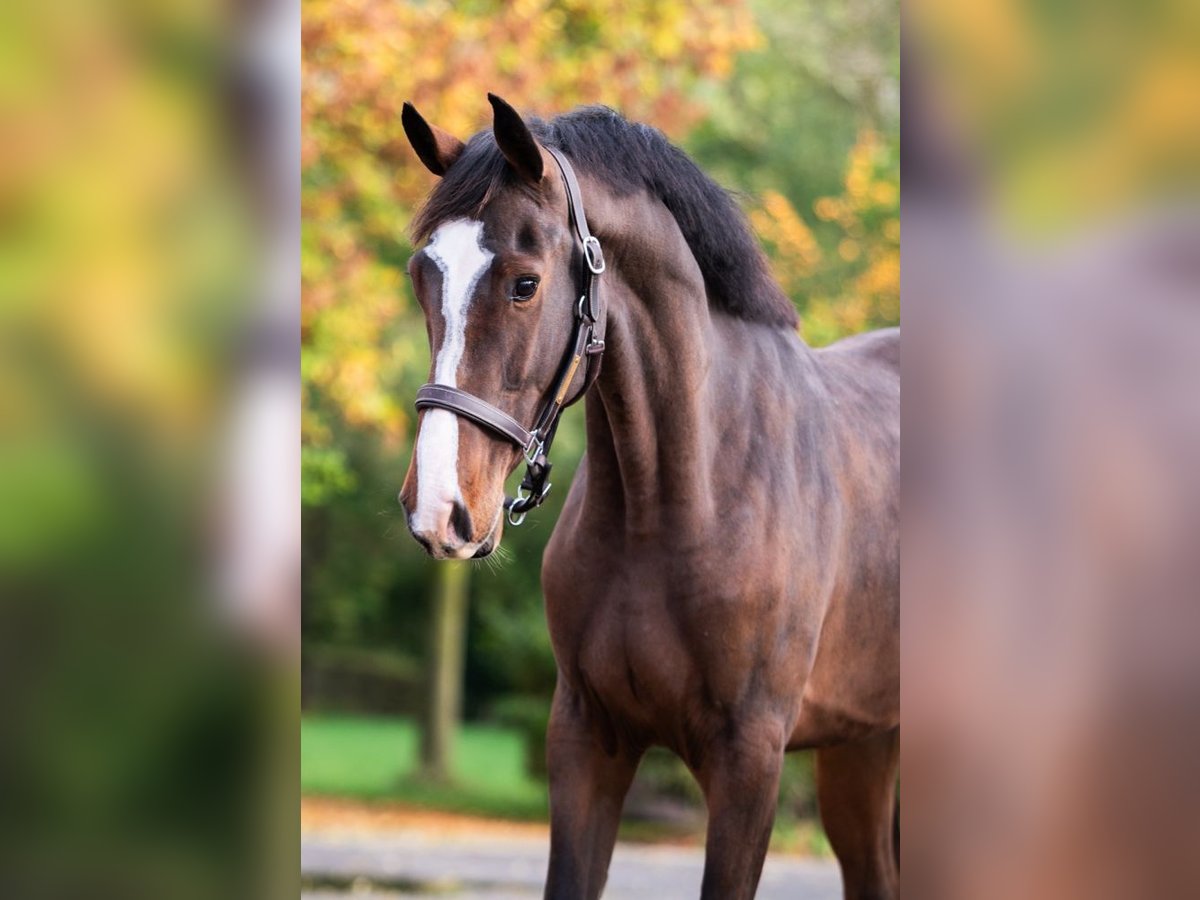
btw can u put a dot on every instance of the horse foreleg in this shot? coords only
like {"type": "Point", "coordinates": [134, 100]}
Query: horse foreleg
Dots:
{"type": "Point", "coordinates": [740, 777]}
{"type": "Point", "coordinates": [856, 791]}
{"type": "Point", "coordinates": [587, 789]}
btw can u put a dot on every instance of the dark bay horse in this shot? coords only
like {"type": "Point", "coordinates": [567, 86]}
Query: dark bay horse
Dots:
{"type": "Point", "coordinates": [724, 579]}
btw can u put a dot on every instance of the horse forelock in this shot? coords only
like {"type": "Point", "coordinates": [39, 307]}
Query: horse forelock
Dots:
{"type": "Point", "coordinates": [467, 188]}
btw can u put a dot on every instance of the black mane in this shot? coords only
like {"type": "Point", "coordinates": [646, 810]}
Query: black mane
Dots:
{"type": "Point", "coordinates": [630, 157]}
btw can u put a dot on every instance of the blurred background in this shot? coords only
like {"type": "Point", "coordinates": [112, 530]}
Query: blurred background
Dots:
{"type": "Point", "coordinates": [429, 684]}
{"type": "Point", "coordinates": [1051, 623]}
{"type": "Point", "coordinates": [149, 407]}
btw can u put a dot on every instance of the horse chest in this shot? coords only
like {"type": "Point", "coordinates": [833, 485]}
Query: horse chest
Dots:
{"type": "Point", "coordinates": [620, 645]}
{"type": "Point", "coordinates": [657, 653]}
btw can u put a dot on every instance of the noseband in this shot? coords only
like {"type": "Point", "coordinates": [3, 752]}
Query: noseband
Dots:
{"type": "Point", "coordinates": [587, 343]}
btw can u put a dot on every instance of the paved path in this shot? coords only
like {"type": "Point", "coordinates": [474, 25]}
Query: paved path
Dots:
{"type": "Point", "coordinates": [413, 864]}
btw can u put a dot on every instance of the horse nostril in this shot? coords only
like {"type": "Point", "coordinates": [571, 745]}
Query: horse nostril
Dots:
{"type": "Point", "coordinates": [460, 521]}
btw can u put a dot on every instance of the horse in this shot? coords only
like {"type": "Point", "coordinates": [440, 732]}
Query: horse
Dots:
{"type": "Point", "coordinates": [724, 576]}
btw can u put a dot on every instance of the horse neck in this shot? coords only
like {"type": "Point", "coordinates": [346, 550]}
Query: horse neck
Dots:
{"type": "Point", "coordinates": [646, 427]}
{"type": "Point", "coordinates": [649, 423]}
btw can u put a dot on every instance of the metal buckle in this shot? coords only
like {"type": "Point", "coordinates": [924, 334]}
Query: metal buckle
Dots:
{"type": "Point", "coordinates": [533, 449]}
{"type": "Point", "coordinates": [594, 255]}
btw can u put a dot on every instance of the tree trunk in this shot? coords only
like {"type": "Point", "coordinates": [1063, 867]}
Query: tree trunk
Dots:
{"type": "Point", "coordinates": [448, 638]}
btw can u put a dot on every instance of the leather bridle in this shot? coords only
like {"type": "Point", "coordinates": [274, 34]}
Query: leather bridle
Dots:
{"type": "Point", "coordinates": [587, 343]}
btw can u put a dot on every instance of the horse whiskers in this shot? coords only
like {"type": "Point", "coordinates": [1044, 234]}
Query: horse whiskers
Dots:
{"type": "Point", "coordinates": [496, 560]}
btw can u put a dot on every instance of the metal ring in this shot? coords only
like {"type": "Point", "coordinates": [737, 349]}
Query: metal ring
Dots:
{"type": "Point", "coordinates": [516, 519]}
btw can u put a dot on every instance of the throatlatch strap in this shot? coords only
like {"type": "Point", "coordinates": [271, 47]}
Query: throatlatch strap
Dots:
{"type": "Point", "coordinates": [593, 256]}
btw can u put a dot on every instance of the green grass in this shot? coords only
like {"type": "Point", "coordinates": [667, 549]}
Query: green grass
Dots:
{"type": "Point", "coordinates": [376, 758]}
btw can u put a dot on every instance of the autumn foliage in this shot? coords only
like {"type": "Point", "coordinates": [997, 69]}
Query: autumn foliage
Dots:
{"type": "Point", "coordinates": [361, 60]}
{"type": "Point", "coordinates": [857, 286]}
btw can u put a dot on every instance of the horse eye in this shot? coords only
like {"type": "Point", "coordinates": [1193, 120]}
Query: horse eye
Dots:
{"type": "Point", "coordinates": [525, 287]}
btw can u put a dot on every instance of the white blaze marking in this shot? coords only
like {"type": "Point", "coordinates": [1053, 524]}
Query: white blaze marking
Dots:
{"type": "Point", "coordinates": [457, 248]}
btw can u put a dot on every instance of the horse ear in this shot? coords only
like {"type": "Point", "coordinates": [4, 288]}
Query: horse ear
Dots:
{"type": "Point", "coordinates": [515, 140]}
{"type": "Point", "coordinates": [437, 149]}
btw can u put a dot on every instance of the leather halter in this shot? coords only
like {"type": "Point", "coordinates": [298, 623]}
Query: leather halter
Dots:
{"type": "Point", "coordinates": [587, 343]}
